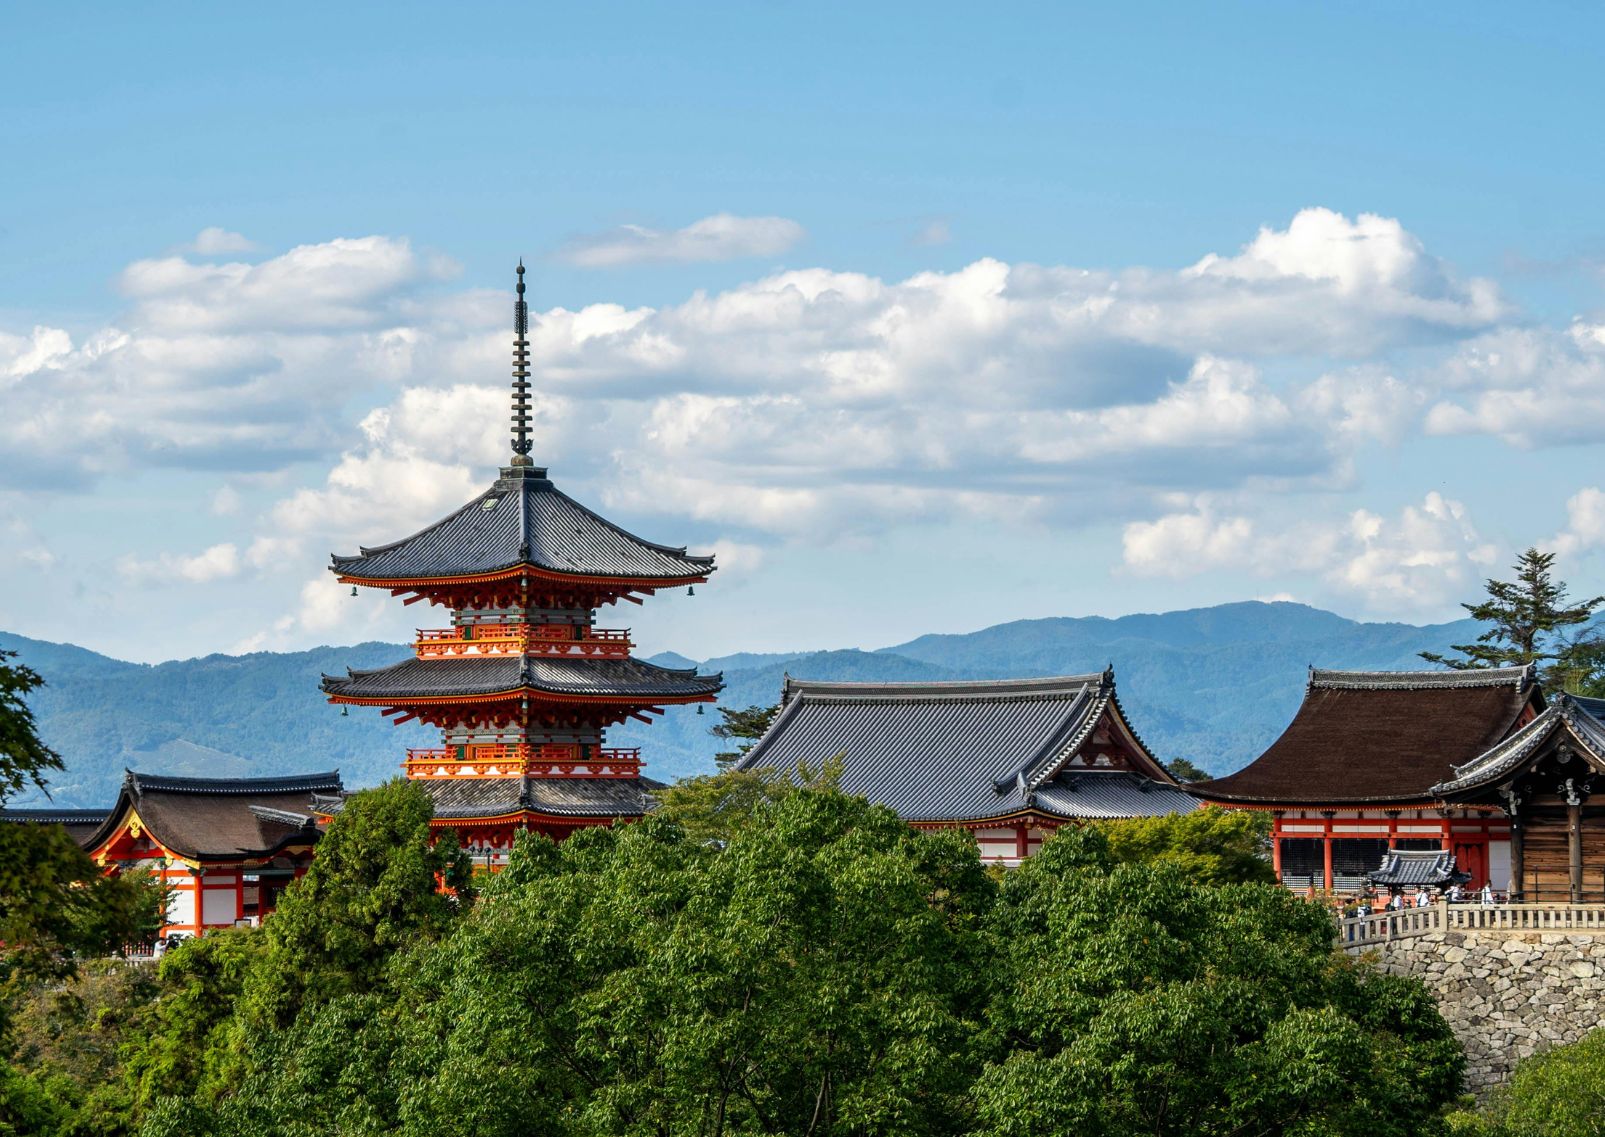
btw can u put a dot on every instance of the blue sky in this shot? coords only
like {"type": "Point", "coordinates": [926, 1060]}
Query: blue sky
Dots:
{"type": "Point", "coordinates": [925, 317]}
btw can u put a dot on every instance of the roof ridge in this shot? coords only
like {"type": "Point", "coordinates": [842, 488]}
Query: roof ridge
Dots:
{"type": "Point", "coordinates": [1041, 687]}
{"type": "Point", "coordinates": [285, 783]}
{"type": "Point", "coordinates": [1334, 679]}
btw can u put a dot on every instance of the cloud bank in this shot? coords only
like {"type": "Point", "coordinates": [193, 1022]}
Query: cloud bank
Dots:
{"type": "Point", "coordinates": [1199, 411]}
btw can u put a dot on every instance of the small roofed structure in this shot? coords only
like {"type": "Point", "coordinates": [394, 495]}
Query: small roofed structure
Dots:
{"type": "Point", "coordinates": [1010, 760]}
{"type": "Point", "coordinates": [1356, 772]}
{"type": "Point", "coordinates": [1417, 868]}
{"type": "Point", "coordinates": [226, 847]}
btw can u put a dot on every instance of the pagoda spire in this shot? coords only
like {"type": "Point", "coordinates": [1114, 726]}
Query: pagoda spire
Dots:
{"type": "Point", "coordinates": [521, 414]}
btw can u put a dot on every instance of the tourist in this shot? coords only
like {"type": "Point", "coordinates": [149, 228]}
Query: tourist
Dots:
{"type": "Point", "coordinates": [1456, 893]}
{"type": "Point", "coordinates": [1488, 894]}
{"type": "Point", "coordinates": [1423, 898]}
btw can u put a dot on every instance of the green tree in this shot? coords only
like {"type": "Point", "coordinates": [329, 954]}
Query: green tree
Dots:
{"type": "Point", "coordinates": [55, 906]}
{"type": "Point", "coordinates": [67, 1043]}
{"type": "Point", "coordinates": [1132, 1000]}
{"type": "Point", "coordinates": [818, 974]}
{"type": "Point", "coordinates": [713, 807]}
{"type": "Point", "coordinates": [374, 886]}
{"type": "Point", "coordinates": [24, 759]}
{"type": "Point", "coordinates": [182, 1037]}
{"type": "Point", "coordinates": [748, 725]}
{"type": "Point", "coordinates": [1528, 618]}
{"type": "Point", "coordinates": [1210, 845]}
{"type": "Point", "coordinates": [1184, 771]}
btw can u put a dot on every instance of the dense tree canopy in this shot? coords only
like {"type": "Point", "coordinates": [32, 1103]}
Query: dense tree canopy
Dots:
{"type": "Point", "coordinates": [1133, 1001]}
{"type": "Point", "coordinates": [55, 909]}
{"type": "Point", "coordinates": [769, 957]}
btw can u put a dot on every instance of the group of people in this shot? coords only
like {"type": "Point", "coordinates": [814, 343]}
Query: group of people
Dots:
{"type": "Point", "coordinates": [1423, 898]}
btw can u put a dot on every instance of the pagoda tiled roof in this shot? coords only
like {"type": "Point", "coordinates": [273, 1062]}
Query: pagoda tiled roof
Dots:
{"type": "Point", "coordinates": [220, 818]}
{"type": "Point", "coordinates": [1582, 719]}
{"type": "Point", "coordinates": [629, 678]}
{"type": "Point", "coordinates": [557, 797]}
{"type": "Point", "coordinates": [968, 751]}
{"type": "Point", "coordinates": [1368, 737]}
{"type": "Point", "coordinates": [523, 519]}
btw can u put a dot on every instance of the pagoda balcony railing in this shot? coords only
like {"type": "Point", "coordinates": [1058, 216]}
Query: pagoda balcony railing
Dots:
{"type": "Point", "coordinates": [511, 760]}
{"type": "Point", "coordinates": [566, 640]}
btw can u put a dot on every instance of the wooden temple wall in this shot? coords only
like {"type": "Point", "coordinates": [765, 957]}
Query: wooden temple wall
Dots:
{"type": "Point", "coordinates": [1546, 856]}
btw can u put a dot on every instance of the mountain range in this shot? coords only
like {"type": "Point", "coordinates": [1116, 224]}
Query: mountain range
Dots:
{"type": "Point", "coordinates": [1213, 685]}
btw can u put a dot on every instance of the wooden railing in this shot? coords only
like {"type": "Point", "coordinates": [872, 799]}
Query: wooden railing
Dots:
{"type": "Point", "coordinates": [471, 640]}
{"type": "Point", "coordinates": [1363, 931]}
{"type": "Point", "coordinates": [554, 760]}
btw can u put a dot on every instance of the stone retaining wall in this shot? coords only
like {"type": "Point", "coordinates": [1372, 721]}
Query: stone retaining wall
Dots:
{"type": "Point", "coordinates": [1506, 994]}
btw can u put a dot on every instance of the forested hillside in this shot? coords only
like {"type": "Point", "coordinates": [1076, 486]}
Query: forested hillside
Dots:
{"type": "Point", "coordinates": [1214, 685]}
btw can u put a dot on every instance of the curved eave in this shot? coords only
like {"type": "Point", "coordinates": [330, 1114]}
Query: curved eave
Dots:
{"type": "Point", "coordinates": [1028, 813]}
{"type": "Point", "coordinates": [523, 570]}
{"type": "Point", "coordinates": [537, 694]}
{"type": "Point", "coordinates": [1416, 802]}
{"type": "Point", "coordinates": [523, 814]}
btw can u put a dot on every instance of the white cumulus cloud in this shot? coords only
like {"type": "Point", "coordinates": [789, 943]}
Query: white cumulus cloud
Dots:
{"type": "Point", "coordinates": [219, 562]}
{"type": "Point", "coordinates": [1422, 557]}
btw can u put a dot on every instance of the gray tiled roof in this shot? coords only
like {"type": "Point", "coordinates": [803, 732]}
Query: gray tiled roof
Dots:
{"type": "Point", "coordinates": [965, 751]}
{"type": "Point", "coordinates": [1101, 794]}
{"type": "Point", "coordinates": [1584, 719]}
{"type": "Point", "coordinates": [54, 816]}
{"type": "Point", "coordinates": [523, 519]}
{"type": "Point", "coordinates": [634, 678]}
{"type": "Point", "coordinates": [563, 797]}
{"type": "Point", "coordinates": [80, 824]}
{"type": "Point", "coordinates": [1404, 868]}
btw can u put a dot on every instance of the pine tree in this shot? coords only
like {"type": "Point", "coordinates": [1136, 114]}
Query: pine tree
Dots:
{"type": "Point", "coordinates": [1528, 618]}
{"type": "Point", "coordinates": [749, 724]}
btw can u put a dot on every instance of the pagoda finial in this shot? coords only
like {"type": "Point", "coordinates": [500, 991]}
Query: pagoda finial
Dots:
{"type": "Point", "coordinates": [521, 440]}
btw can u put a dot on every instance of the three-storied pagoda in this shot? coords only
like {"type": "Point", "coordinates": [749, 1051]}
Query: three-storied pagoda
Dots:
{"type": "Point", "coordinates": [523, 685]}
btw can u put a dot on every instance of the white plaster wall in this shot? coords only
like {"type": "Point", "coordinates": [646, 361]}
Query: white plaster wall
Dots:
{"type": "Point", "coordinates": [1499, 864]}
{"type": "Point", "coordinates": [217, 906]}
{"type": "Point", "coordinates": [182, 908]}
